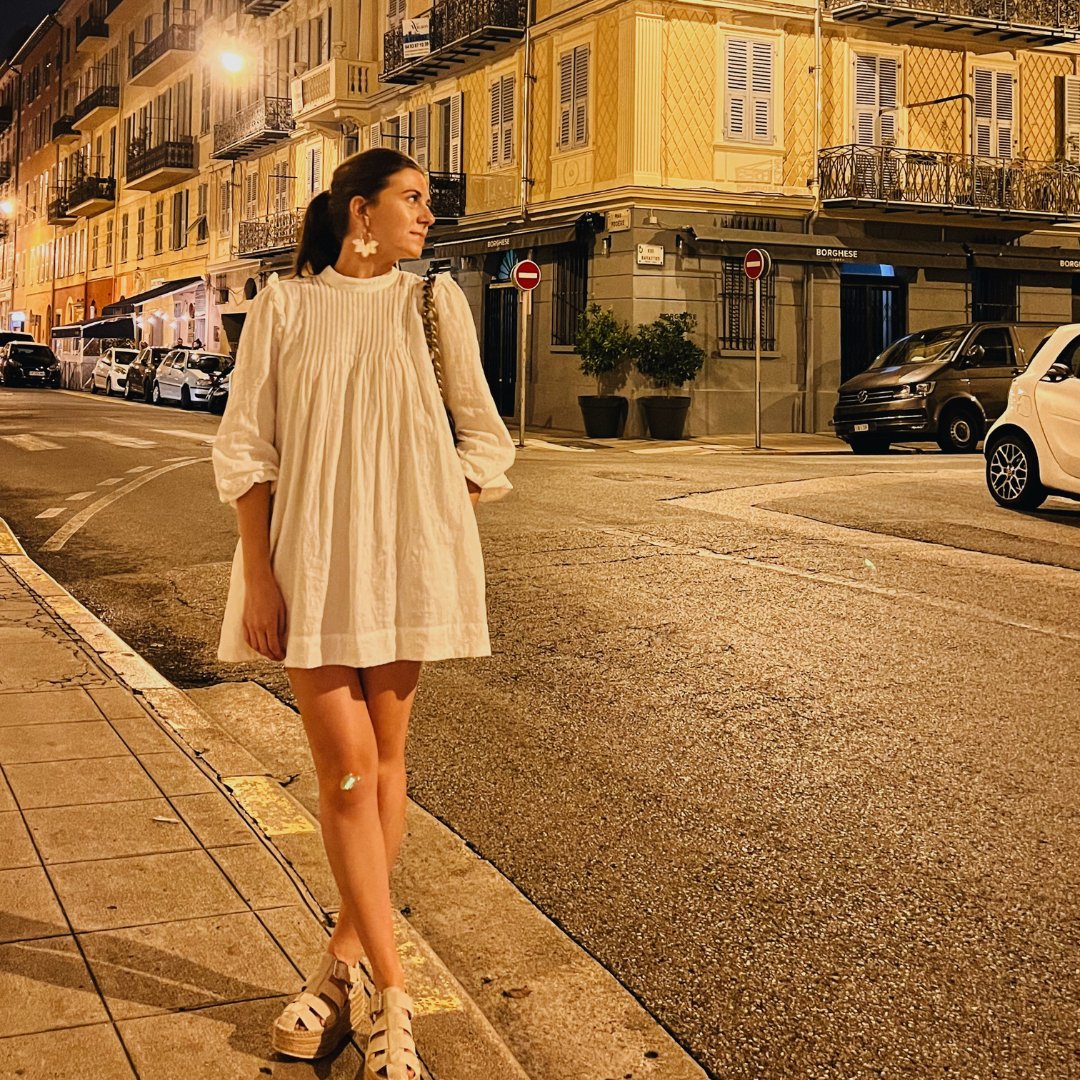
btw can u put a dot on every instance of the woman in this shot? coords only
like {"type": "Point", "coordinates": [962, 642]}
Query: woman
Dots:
{"type": "Point", "coordinates": [359, 556]}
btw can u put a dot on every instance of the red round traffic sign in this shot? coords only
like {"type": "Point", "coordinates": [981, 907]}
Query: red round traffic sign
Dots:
{"type": "Point", "coordinates": [525, 275]}
{"type": "Point", "coordinates": [756, 263]}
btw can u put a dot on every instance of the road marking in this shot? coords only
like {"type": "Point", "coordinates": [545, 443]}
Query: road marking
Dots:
{"type": "Point", "coordinates": [30, 442]}
{"type": "Point", "coordinates": [672, 450]}
{"type": "Point", "coordinates": [79, 496]}
{"type": "Point", "coordinates": [52, 511]}
{"type": "Point", "coordinates": [65, 533]}
{"type": "Point", "coordinates": [141, 468]}
{"type": "Point", "coordinates": [181, 434]}
{"type": "Point", "coordinates": [540, 444]}
{"type": "Point", "coordinates": [128, 441]}
{"type": "Point", "coordinates": [111, 481]}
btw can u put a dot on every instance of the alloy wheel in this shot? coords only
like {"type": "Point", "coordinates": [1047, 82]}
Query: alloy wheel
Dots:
{"type": "Point", "coordinates": [1009, 471]}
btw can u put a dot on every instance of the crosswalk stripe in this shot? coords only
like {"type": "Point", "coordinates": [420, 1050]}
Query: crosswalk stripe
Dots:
{"type": "Point", "coordinates": [140, 468]}
{"type": "Point", "coordinates": [79, 496]}
{"type": "Point", "coordinates": [111, 437]}
{"type": "Point", "coordinates": [30, 442]}
{"type": "Point", "coordinates": [52, 512]}
{"type": "Point", "coordinates": [112, 480]}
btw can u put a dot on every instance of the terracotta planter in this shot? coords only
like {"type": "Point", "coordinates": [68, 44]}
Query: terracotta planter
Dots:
{"type": "Point", "coordinates": [666, 416]}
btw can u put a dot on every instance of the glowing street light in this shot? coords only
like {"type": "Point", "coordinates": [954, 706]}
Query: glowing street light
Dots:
{"type": "Point", "coordinates": [231, 61]}
{"type": "Point", "coordinates": [7, 207]}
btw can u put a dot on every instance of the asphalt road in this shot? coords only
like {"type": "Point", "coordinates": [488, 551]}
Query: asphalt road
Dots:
{"type": "Point", "coordinates": [788, 743]}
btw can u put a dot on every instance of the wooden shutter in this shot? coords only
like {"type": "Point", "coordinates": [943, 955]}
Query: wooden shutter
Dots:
{"type": "Point", "coordinates": [421, 126]}
{"type": "Point", "coordinates": [737, 83]}
{"type": "Point", "coordinates": [404, 141]}
{"type": "Point", "coordinates": [455, 132]}
{"type": "Point", "coordinates": [761, 90]}
{"type": "Point", "coordinates": [984, 112]}
{"type": "Point", "coordinates": [865, 99]}
{"type": "Point", "coordinates": [877, 98]}
{"type": "Point", "coordinates": [495, 134]}
{"type": "Point", "coordinates": [566, 96]}
{"type": "Point", "coordinates": [374, 136]}
{"type": "Point", "coordinates": [507, 119]}
{"type": "Point", "coordinates": [251, 196]}
{"type": "Point", "coordinates": [1069, 118]}
{"type": "Point", "coordinates": [314, 171]}
{"type": "Point", "coordinates": [581, 95]}
{"type": "Point", "coordinates": [1004, 113]}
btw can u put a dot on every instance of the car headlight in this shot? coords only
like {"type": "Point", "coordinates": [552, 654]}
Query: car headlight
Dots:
{"type": "Point", "coordinates": [903, 391]}
{"type": "Point", "coordinates": [202, 378]}
{"type": "Point", "coordinates": [922, 389]}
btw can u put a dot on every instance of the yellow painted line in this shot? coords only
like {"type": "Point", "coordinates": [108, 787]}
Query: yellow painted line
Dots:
{"type": "Point", "coordinates": [9, 545]}
{"type": "Point", "coordinates": [262, 799]}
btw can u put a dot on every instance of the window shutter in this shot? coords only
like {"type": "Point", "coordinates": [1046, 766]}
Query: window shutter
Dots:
{"type": "Point", "coordinates": [495, 135]}
{"type": "Point", "coordinates": [984, 112]}
{"type": "Point", "coordinates": [455, 132]}
{"type": "Point", "coordinates": [251, 196]}
{"type": "Point", "coordinates": [314, 171]}
{"type": "Point", "coordinates": [1069, 119]}
{"type": "Point", "coordinates": [737, 80]}
{"type": "Point", "coordinates": [421, 125]}
{"type": "Point", "coordinates": [581, 95]}
{"type": "Point", "coordinates": [866, 99]}
{"type": "Point", "coordinates": [507, 119]}
{"type": "Point", "coordinates": [761, 90]}
{"type": "Point", "coordinates": [404, 142]}
{"type": "Point", "coordinates": [566, 96]}
{"type": "Point", "coordinates": [888, 99]}
{"type": "Point", "coordinates": [1005, 113]}
{"type": "Point", "coordinates": [374, 136]}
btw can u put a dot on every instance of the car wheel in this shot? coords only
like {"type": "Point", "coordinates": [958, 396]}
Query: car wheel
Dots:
{"type": "Point", "coordinates": [148, 393]}
{"type": "Point", "coordinates": [960, 430]}
{"type": "Point", "coordinates": [869, 444]}
{"type": "Point", "coordinates": [128, 394]}
{"type": "Point", "coordinates": [1012, 473]}
{"type": "Point", "coordinates": [185, 398]}
{"type": "Point", "coordinates": [155, 395]}
{"type": "Point", "coordinates": [93, 386]}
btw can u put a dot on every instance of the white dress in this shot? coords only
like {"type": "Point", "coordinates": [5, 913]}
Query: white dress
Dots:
{"type": "Point", "coordinates": [373, 537]}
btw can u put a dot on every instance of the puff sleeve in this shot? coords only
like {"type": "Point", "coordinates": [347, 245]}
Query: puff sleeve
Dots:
{"type": "Point", "coordinates": [244, 452]}
{"type": "Point", "coordinates": [484, 445]}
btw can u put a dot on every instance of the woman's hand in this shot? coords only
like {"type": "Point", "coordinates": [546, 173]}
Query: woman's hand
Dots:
{"type": "Point", "coordinates": [474, 491]}
{"type": "Point", "coordinates": [264, 615]}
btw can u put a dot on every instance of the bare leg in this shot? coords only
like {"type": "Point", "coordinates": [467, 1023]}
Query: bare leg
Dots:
{"type": "Point", "coordinates": [389, 690]}
{"type": "Point", "coordinates": [343, 746]}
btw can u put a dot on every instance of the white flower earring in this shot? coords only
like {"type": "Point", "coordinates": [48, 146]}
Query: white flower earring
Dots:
{"type": "Point", "coordinates": [365, 246]}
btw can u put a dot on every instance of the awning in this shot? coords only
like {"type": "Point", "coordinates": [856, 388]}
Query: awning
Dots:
{"type": "Point", "coordinates": [127, 306]}
{"type": "Point", "coordinates": [119, 326]}
{"type": "Point", "coordinates": [808, 248]}
{"type": "Point", "coordinates": [1032, 259]}
{"type": "Point", "coordinates": [516, 235]}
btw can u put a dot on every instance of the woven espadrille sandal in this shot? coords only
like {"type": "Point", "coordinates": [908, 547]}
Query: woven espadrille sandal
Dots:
{"type": "Point", "coordinates": [391, 1052]}
{"type": "Point", "coordinates": [326, 1012]}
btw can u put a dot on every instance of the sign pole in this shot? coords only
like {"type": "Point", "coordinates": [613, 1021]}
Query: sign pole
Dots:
{"type": "Point", "coordinates": [757, 363]}
{"type": "Point", "coordinates": [523, 351]}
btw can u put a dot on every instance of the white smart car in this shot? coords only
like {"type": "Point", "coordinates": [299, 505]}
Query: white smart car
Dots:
{"type": "Point", "coordinates": [1033, 450]}
{"type": "Point", "coordinates": [110, 372]}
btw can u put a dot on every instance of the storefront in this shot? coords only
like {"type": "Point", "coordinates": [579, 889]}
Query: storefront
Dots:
{"type": "Point", "coordinates": [175, 312]}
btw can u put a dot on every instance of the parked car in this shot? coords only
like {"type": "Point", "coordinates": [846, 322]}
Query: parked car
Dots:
{"type": "Point", "coordinates": [185, 375]}
{"type": "Point", "coordinates": [26, 363]}
{"type": "Point", "coordinates": [949, 383]}
{"type": "Point", "coordinates": [1033, 451]}
{"type": "Point", "coordinates": [110, 371]}
{"type": "Point", "coordinates": [140, 374]}
{"type": "Point", "coordinates": [7, 336]}
{"type": "Point", "coordinates": [219, 393]}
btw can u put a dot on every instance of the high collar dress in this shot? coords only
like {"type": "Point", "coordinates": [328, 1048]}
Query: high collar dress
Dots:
{"type": "Point", "coordinates": [373, 537]}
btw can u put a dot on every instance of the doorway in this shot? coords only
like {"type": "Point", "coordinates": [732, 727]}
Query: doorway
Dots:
{"type": "Point", "coordinates": [873, 314]}
{"type": "Point", "coordinates": [501, 344]}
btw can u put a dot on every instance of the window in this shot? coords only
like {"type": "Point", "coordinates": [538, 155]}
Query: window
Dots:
{"type": "Point", "coordinates": [314, 171]}
{"type": "Point", "coordinates": [502, 121]}
{"type": "Point", "coordinates": [995, 296]}
{"type": "Point", "coordinates": [124, 238]}
{"type": "Point", "coordinates": [95, 240]}
{"type": "Point", "coordinates": [1069, 118]}
{"type": "Point", "coordinates": [140, 233]}
{"type": "Point", "coordinates": [997, 349]}
{"type": "Point", "coordinates": [569, 293]}
{"type": "Point", "coordinates": [993, 112]}
{"type": "Point", "coordinates": [204, 111]}
{"type": "Point", "coordinates": [737, 304]}
{"type": "Point", "coordinates": [178, 235]}
{"type": "Point", "coordinates": [877, 81]}
{"type": "Point", "coordinates": [280, 187]}
{"type": "Point", "coordinates": [421, 120]}
{"type": "Point", "coordinates": [225, 207]}
{"type": "Point", "coordinates": [202, 233]}
{"type": "Point", "coordinates": [159, 226]}
{"type": "Point", "coordinates": [574, 98]}
{"type": "Point", "coordinates": [251, 196]}
{"type": "Point", "coordinates": [108, 243]}
{"type": "Point", "coordinates": [749, 90]}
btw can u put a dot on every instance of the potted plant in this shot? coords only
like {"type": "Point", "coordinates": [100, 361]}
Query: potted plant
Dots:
{"type": "Point", "coordinates": [667, 358]}
{"type": "Point", "coordinates": [604, 345]}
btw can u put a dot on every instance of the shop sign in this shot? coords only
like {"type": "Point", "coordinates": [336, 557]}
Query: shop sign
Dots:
{"type": "Point", "coordinates": [1069, 264]}
{"type": "Point", "coordinates": [416, 37]}
{"type": "Point", "coordinates": [842, 254]}
{"type": "Point", "coordinates": [618, 220]}
{"type": "Point", "coordinates": [499, 242]}
{"type": "Point", "coordinates": [650, 255]}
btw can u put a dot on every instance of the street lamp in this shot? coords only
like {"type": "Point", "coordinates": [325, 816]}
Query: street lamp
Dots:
{"type": "Point", "coordinates": [7, 208]}
{"type": "Point", "coordinates": [232, 61]}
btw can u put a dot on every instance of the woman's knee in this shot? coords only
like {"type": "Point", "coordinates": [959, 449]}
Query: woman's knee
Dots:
{"type": "Point", "coordinates": [349, 783]}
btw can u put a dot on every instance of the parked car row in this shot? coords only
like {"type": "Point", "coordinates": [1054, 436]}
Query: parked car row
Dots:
{"type": "Point", "coordinates": [160, 375]}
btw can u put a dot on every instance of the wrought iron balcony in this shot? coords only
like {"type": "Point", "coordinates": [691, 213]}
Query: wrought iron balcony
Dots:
{"type": "Point", "coordinates": [100, 102]}
{"type": "Point", "coordinates": [89, 195]}
{"type": "Point", "coordinates": [57, 212]}
{"type": "Point", "coordinates": [894, 179]}
{"type": "Point", "coordinates": [92, 28]}
{"type": "Point", "coordinates": [165, 54]}
{"type": "Point", "coordinates": [5, 117]}
{"type": "Point", "coordinates": [263, 7]}
{"type": "Point", "coordinates": [63, 130]}
{"type": "Point", "coordinates": [271, 235]}
{"type": "Point", "coordinates": [1029, 22]}
{"type": "Point", "coordinates": [5, 171]}
{"type": "Point", "coordinates": [325, 94]}
{"type": "Point", "coordinates": [447, 195]}
{"type": "Point", "coordinates": [151, 168]}
{"type": "Point", "coordinates": [460, 31]}
{"type": "Point", "coordinates": [266, 120]}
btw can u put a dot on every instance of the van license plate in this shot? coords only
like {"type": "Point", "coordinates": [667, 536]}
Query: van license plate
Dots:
{"type": "Point", "coordinates": [861, 427]}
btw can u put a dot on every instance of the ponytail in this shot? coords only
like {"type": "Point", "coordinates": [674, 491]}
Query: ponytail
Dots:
{"type": "Point", "coordinates": [326, 220]}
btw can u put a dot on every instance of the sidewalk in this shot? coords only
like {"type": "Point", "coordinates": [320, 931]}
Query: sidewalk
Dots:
{"type": "Point", "coordinates": [778, 443]}
{"type": "Point", "coordinates": [148, 926]}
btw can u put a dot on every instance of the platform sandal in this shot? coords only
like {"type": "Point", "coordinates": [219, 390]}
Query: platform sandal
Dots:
{"type": "Point", "coordinates": [324, 1013]}
{"type": "Point", "coordinates": [391, 1052]}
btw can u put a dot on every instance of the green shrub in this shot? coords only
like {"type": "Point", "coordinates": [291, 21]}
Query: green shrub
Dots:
{"type": "Point", "coordinates": [664, 354]}
{"type": "Point", "coordinates": [604, 345]}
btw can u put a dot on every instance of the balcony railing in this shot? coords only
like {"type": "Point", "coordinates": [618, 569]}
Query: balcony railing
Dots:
{"type": "Point", "coordinates": [57, 212]}
{"type": "Point", "coordinates": [266, 236]}
{"type": "Point", "coordinates": [5, 117]}
{"type": "Point", "coordinates": [460, 30]}
{"type": "Point", "coordinates": [921, 180]}
{"type": "Point", "coordinates": [103, 97]}
{"type": "Point", "coordinates": [1041, 22]}
{"type": "Point", "coordinates": [266, 120]}
{"type": "Point", "coordinates": [63, 129]}
{"type": "Point", "coordinates": [177, 37]}
{"type": "Point", "coordinates": [176, 155]}
{"type": "Point", "coordinates": [93, 27]}
{"type": "Point", "coordinates": [447, 194]}
{"type": "Point", "coordinates": [263, 7]}
{"type": "Point", "coordinates": [91, 194]}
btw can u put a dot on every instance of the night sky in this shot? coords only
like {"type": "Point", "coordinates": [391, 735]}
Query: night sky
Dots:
{"type": "Point", "coordinates": [18, 18]}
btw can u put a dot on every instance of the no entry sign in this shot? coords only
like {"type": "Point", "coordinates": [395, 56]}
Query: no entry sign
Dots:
{"type": "Point", "coordinates": [756, 263]}
{"type": "Point", "coordinates": [525, 275]}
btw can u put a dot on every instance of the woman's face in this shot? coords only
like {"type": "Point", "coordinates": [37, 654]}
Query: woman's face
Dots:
{"type": "Point", "coordinates": [399, 218]}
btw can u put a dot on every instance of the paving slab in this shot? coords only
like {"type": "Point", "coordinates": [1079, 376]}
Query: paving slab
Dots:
{"type": "Point", "coordinates": [44, 663]}
{"type": "Point", "coordinates": [187, 964]}
{"type": "Point", "coordinates": [116, 702]}
{"type": "Point", "coordinates": [7, 800]}
{"type": "Point", "coordinates": [213, 819]}
{"type": "Point", "coordinates": [176, 774]}
{"type": "Point", "coordinates": [75, 783]}
{"type": "Point", "coordinates": [58, 742]}
{"type": "Point", "coordinates": [45, 985]}
{"type": "Point", "coordinates": [108, 830]}
{"type": "Point", "coordinates": [225, 1042]}
{"type": "Point", "coordinates": [143, 735]}
{"type": "Point", "coordinates": [146, 889]}
{"type": "Point", "coordinates": [16, 848]}
{"type": "Point", "coordinates": [76, 1054]}
{"type": "Point", "coordinates": [298, 932]}
{"type": "Point", "coordinates": [47, 707]}
{"type": "Point", "coordinates": [256, 874]}
{"type": "Point", "coordinates": [28, 907]}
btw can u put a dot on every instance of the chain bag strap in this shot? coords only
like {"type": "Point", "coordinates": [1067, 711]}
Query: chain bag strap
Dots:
{"type": "Point", "coordinates": [431, 333]}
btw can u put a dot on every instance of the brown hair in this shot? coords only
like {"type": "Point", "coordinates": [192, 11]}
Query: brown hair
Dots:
{"type": "Point", "coordinates": [326, 220]}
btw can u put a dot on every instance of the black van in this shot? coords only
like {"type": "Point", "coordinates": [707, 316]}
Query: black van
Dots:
{"type": "Point", "coordinates": [949, 383]}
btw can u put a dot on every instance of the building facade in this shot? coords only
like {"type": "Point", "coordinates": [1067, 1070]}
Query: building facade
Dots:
{"type": "Point", "coordinates": [904, 169]}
